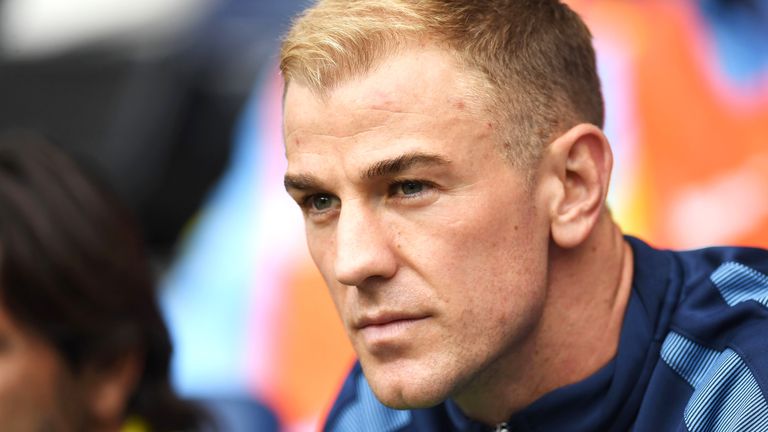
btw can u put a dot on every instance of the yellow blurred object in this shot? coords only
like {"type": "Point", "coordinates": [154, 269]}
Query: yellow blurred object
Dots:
{"type": "Point", "coordinates": [135, 424]}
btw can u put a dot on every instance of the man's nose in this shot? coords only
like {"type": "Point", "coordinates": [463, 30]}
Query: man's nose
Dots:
{"type": "Point", "coordinates": [362, 247]}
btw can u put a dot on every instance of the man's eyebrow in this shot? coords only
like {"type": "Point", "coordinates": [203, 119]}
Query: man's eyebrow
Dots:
{"type": "Point", "coordinates": [300, 182]}
{"type": "Point", "coordinates": [383, 168]}
{"type": "Point", "coordinates": [394, 166]}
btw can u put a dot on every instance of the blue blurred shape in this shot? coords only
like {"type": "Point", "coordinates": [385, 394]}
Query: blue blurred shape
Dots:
{"type": "Point", "coordinates": [740, 34]}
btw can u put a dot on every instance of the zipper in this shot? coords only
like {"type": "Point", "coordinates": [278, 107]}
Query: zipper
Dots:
{"type": "Point", "coordinates": [501, 427]}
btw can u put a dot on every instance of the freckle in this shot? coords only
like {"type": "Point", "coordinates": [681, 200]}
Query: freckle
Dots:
{"type": "Point", "coordinates": [516, 227]}
{"type": "Point", "coordinates": [459, 105]}
{"type": "Point", "coordinates": [489, 125]}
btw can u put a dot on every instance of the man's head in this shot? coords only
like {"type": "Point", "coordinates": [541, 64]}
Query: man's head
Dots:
{"type": "Point", "coordinates": [82, 342]}
{"type": "Point", "coordinates": [530, 62]}
{"type": "Point", "coordinates": [439, 252]}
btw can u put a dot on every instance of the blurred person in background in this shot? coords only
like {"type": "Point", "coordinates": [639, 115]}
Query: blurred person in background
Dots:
{"type": "Point", "coordinates": [83, 346]}
{"type": "Point", "coordinates": [150, 93]}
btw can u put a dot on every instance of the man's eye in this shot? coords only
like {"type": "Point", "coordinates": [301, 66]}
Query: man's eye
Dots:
{"type": "Point", "coordinates": [320, 202]}
{"type": "Point", "coordinates": [411, 187]}
{"type": "Point", "coordinates": [407, 188]}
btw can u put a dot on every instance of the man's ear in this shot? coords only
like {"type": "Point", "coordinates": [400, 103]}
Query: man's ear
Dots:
{"type": "Point", "coordinates": [108, 388]}
{"type": "Point", "coordinates": [580, 162]}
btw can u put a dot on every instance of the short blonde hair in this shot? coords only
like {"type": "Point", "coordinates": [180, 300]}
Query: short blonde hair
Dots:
{"type": "Point", "coordinates": [534, 58]}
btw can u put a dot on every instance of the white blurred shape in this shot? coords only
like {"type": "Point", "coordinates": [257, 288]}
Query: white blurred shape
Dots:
{"type": "Point", "coordinates": [39, 28]}
{"type": "Point", "coordinates": [722, 209]}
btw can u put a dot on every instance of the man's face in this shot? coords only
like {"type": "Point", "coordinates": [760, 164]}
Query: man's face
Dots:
{"type": "Point", "coordinates": [37, 391]}
{"type": "Point", "coordinates": [432, 246]}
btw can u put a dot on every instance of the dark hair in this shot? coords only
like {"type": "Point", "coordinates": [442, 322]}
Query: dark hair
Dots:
{"type": "Point", "coordinates": [73, 269]}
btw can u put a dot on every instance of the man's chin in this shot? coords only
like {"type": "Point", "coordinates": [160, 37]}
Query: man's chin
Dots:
{"type": "Point", "coordinates": [403, 401]}
{"type": "Point", "coordinates": [409, 392]}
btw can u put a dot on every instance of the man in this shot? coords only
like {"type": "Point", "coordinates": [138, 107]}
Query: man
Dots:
{"type": "Point", "coordinates": [449, 160]}
{"type": "Point", "coordinates": [83, 346]}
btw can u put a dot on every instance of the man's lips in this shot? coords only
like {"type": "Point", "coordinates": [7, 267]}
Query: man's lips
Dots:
{"type": "Point", "coordinates": [384, 319]}
{"type": "Point", "coordinates": [384, 332]}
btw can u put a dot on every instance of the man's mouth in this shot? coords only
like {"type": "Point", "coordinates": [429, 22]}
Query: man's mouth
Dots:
{"type": "Point", "coordinates": [388, 327]}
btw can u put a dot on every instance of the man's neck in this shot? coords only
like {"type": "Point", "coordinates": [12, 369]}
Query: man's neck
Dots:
{"type": "Point", "coordinates": [578, 333]}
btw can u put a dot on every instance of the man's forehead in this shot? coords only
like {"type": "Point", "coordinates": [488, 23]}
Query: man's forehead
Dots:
{"type": "Point", "coordinates": [406, 82]}
{"type": "Point", "coordinates": [305, 111]}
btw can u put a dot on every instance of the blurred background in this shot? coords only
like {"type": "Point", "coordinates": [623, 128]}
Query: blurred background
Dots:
{"type": "Point", "coordinates": [176, 104]}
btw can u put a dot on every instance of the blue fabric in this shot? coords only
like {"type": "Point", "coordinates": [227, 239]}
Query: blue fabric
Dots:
{"type": "Point", "coordinates": [729, 399]}
{"type": "Point", "coordinates": [726, 395]}
{"type": "Point", "coordinates": [690, 360]}
{"type": "Point", "coordinates": [738, 283]}
{"type": "Point", "coordinates": [692, 357]}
